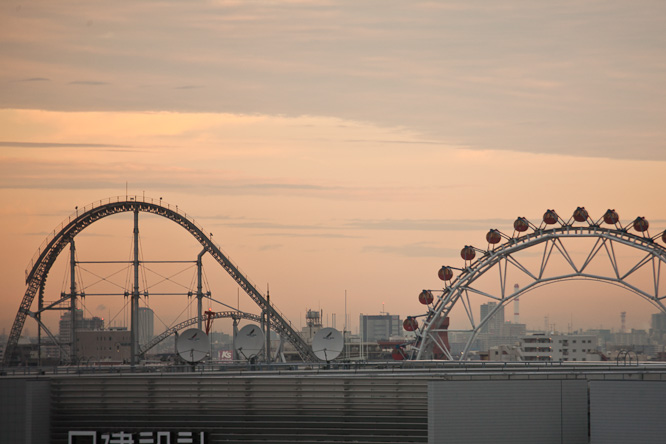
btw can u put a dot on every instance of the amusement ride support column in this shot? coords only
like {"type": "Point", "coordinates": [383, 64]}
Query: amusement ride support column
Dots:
{"type": "Point", "coordinates": [134, 329]}
{"type": "Point", "coordinates": [268, 325]}
{"type": "Point", "coordinates": [235, 353]}
{"type": "Point", "coordinates": [200, 294]}
{"type": "Point", "coordinates": [72, 302]}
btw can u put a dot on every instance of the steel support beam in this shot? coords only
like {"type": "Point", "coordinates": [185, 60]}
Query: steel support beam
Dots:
{"type": "Point", "coordinates": [37, 272]}
{"type": "Point", "coordinates": [72, 303]}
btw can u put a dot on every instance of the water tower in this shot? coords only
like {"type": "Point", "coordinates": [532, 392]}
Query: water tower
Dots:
{"type": "Point", "coordinates": [313, 318]}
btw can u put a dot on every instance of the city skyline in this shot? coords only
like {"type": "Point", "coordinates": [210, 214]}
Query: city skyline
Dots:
{"type": "Point", "coordinates": [331, 147]}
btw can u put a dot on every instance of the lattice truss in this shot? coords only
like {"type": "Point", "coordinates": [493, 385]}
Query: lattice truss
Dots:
{"type": "Point", "coordinates": [63, 236]}
{"type": "Point", "coordinates": [554, 251]}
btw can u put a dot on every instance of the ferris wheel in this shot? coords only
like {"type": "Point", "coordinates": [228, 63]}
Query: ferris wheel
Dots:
{"type": "Point", "coordinates": [537, 255]}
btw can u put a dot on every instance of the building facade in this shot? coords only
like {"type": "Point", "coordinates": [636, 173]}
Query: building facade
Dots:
{"type": "Point", "coordinates": [65, 329]}
{"type": "Point", "coordinates": [555, 347]}
{"type": "Point", "coordinates": [493, 326]}
{"type": "Point", "coordinates": [112, 346]}
{"type": "Point", "coordinates": [380, 327]}
{"type": "Point", "coordinates": [497, 331]}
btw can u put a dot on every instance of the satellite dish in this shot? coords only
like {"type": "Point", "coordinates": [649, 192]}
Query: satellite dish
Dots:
{"type": "Point", "coordinates": [249, 341]}
{"type": "Point", "coordinates": [193, 345]}
{"type": "Point", "coordinates": [327, 344]}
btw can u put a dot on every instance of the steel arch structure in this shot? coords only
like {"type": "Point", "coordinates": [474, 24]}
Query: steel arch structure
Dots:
{"type": "Point", "coordinates": [501, 257]}
{"type": "Point", "coordinates": [60, 237]}
{"type": "Point", "coordinates": [218, 315]}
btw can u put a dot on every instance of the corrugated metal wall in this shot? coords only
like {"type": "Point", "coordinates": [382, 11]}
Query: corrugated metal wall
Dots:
{"type": "Point", "coordinates": [24, 411]}
{"type": "Point", "coordinates": [510, 412]}
{"type": "Point", "coordinates": [628, 412]}
{"type": "Point", "coordinates": [245, 409]}
{"type": "Point", "coordinates": [466, 403]}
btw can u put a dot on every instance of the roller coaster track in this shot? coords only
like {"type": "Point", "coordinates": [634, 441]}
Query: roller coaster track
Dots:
{"type": "Point", "coordinates": [45, 257]}
{"type": "Point", "coordinates": [218, 315]}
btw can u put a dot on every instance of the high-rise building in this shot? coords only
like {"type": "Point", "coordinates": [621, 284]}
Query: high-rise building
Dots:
{"type": "Point", "coordinates": [380, 327]}
{"type": "Point", "coordinates": [146, 324]}
{"type": "Point", "coordinates": [494, 325]}
{"type": "Point", "coordinates": [496, 331]}
{"type": "Point", "coordinates": [94, 323]}
{"type": "Point", "coordinates": [659, 323]}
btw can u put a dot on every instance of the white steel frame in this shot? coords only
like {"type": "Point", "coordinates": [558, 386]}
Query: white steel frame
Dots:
{"type": "Point", "coordinates": [459, 289]}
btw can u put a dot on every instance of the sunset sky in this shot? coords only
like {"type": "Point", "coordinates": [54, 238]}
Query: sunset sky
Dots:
{"type": "Point", "coordinates": [330, 147]}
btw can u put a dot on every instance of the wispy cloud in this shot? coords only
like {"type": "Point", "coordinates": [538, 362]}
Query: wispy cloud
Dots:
{"type": "Point", "coordinates": [429, 224]}
{"type": "Point", "coordinates": [269, 247]}
{"type": "Point", "coordinates": [412, 250]}
{"type": "Point", "coordinates": [274, 226]}
{"type": "Point", "coordinates": [358, 225]}
{"type": "Point", "coordinates": [91, 173]}
{"type": "Point", "coordinates": [35, 79]}
{"type": "Point", "coordinates": [188, 87]}
{"type": "Point", "coordinates": [473, 73]}
{"type": "Point", "coordinates": [88, 83]}
{"type": "Point", "coordinates": [59, 145]}
{"type": "Point", "coordinates": [312, 235]}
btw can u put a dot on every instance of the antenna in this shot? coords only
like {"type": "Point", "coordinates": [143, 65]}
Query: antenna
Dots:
{"type": "Point", "coordinates": [327, 344]}
{"type": "Point", "coordinates": [193, 345]}
{"type": "Point", "coordinates": [344, 330]}
{"type": "Point", "coordinates": [249, 341]}
{"type": "Point", "coordinates": [345, 326]}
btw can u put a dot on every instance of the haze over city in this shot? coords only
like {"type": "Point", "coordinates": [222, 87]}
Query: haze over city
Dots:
{"type": "Point", "coordinates": [331, 147]}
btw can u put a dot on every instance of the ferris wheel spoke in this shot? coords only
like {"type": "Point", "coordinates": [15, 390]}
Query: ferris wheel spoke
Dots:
{"type": "Point", "coordinates": [562, 249]}
{"type": "Point", "coordinates": [459, 288]}
{"type": "Point", "coordinates": [547, 250]}
{"type": "Point", "coordinates": [640, 264]}
{"type": "Point", "coordinates": [598, 245]}
{"type": "Point", "coordinates": [656, 272]}
{"type": "Point", "coordinates": [521, 267]}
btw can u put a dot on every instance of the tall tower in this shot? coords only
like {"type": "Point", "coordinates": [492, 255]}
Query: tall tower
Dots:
{"type": "Point", "coordinates": [623, 318]}
{"type": "Point", "coordinates": [516, 306]}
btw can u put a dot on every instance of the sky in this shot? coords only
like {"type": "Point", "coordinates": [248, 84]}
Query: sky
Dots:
{"type": "Point", "coordinates": [332, 148]}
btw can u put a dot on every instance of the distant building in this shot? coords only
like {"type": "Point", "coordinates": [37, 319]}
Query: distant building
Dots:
{"type": "Point", "coordinates": [493, 325]}
{"type": "Point", "coordinates": [504, 353]}
{"type": "Point", "coordinates": [603, 335]}
{"type": "Point", "coordinates": [496, 331]}
{"type": "Point", "coordinates": [555, 347]}
{"type": "Point", "coordinates": [103, 346]}
{"type": "Point", "coordinates": [513, 331]}
{"type": "Point", "coordinates": [658, 327]}
{"type": "Point", "coordinates": [634, 340]}
{"type": "Point", "coordinates": [65, 326]}
{"type": "Point", "coordinates": [313, 325]}
{"type": "Point", "coordinates": [146, 324]}
{"type": "Point", "coordinates": [380, 327]}
{"type": "Point", "coordinates": [49, 352]}
{"type": "Point", "coordinates": [659, 322]}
